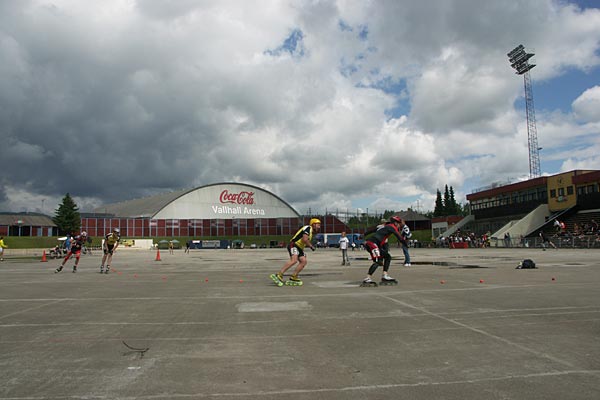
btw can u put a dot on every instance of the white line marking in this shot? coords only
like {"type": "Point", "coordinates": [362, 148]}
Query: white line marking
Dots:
{"type": "Point", "coordinates": [482, 332]}
{"type": "Point", "coordinates": [274, 307]}
{"type": "Point", "coordinates": [362, 388]}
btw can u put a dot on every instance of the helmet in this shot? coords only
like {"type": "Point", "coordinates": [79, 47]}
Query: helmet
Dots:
{"type": "Point", "coordinates": [396, 218]}
{"type": "Point", "coordinates": [314, 221]}
{"type": "Point", "coordinates": [84, 233]}
{"type": "Point", "coordinates": [116, 230]}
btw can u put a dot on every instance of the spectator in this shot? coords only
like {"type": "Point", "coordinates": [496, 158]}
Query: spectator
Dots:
{"type": "Point", "coordinates": [546, 241]}
{"type": "Point", "coordinates": [2, 247]}
{"type": "Point", "coordinates": [507, 239]}
{"type": "Point", "coordinates": [344, 248]}
{"type": "Point", "coordinates": [557, 225]}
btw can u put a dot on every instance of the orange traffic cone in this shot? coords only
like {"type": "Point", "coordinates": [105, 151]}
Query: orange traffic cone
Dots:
{"type": "Point", "coordinates": [158, 255]}
{"type": "Point", "coordinates": [44, 257]}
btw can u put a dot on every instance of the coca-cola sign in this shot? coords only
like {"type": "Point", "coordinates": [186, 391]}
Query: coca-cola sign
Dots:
{"type": "Point", "coordinates": [237, 198]}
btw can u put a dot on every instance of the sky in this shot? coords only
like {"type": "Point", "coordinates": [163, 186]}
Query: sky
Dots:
{"type": "Point", "coordinates": [329, 104]}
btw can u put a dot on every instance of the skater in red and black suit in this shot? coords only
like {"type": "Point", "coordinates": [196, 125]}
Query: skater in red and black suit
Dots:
{"type": "Point", "coordinates": [76, 244]}
{"type": "Point", "coordinates": [378, 248]}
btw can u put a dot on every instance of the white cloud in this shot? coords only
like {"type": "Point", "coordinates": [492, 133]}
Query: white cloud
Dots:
{"type": "Point", "coordinates": [587, 106]}
{"type": "Point", "coordinates": [161, 95]}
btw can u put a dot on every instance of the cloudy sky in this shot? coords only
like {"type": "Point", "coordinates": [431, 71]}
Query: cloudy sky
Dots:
{"type": "Point", "coordinates": [329, 104]}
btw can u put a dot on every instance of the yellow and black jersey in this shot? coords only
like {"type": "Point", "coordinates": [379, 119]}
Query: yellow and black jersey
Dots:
{"type": "Point", "coordinates": [297, 239]}
{"type": "Point", "coordinates": [112, 238]}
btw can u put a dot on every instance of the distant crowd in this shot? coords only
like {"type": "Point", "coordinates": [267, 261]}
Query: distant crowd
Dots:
{"type": "Point", "coordinates": [468, 239]}
{"type": "Point", "coordinates": [585, 235]}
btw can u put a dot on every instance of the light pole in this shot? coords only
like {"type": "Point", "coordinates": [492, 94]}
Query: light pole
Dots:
{"type": "Point", "coordinates": [519, 60]}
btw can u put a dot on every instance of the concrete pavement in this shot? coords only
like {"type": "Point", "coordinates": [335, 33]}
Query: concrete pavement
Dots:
{"type": "Point", "coordinates": [462, 324]}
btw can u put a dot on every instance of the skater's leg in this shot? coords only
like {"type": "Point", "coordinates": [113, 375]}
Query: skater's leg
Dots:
{"type": "Point", "coordinates": [375, 253]}
{"type": "Point", "coordinates": [292, 261]}
{"type": "Point", "coordinates": [104, 257]}
{"type": "Point", "coordinates": [373, 268]}
{"type": "Point", "coordinates": [369, 278]}
{"type": "Point", "coordinates": [302, 261]}
{"type": "Point", "coordinates": [387, 260]}
{"type": "Point", "coordinates": [66, 259]}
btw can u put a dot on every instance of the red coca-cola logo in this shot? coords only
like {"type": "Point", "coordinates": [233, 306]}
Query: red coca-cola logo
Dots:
{"type": "Point", "coordinates": [236, 198]}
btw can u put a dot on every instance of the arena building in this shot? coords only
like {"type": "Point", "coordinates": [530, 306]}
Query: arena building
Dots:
{"type": "Point", "coordinates": [220, 209]}
{"type": "Point", "coordinates": [522, 209]}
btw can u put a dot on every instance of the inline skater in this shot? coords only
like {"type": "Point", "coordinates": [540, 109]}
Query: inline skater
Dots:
{"type": "Point", "coordinates": [111, 242]}
{"type": "Point", "coordinates": [295, 248]}
{"type": "Point", "coordinates": [377, 246]}
{"type": "Point", "coordinates": [75, 248]}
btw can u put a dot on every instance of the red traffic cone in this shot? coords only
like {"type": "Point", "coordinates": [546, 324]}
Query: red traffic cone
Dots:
{"type": "Point", "coordinates": [44, 257]}
{"type": "Point", "coordinates": [158, 255]}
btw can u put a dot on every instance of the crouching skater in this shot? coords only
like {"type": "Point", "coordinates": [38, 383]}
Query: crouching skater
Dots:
{"type": "Point", "coordinates": [377, 246]}
{"type": "Point", "coordinates": [75, 250]}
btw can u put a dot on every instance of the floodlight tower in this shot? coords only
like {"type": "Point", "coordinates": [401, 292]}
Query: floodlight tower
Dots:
{"type": "Point", "coordinates": [519, 60]}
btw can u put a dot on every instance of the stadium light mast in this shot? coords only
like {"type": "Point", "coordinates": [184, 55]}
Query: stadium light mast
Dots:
{"type": "Point", "coordinates": [519, 60]}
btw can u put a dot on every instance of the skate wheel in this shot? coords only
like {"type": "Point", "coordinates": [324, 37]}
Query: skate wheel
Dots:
{"type": "Point", "coordinates": [276, 280]}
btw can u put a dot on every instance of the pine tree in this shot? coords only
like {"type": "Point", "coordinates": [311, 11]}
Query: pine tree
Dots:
{"type": "Point", "coordinates": [447, 203]}
{"type": "Point", "coordinates": [439, 205]}
{"type": "Point", "coordinates": [67, 217]}
{"type": "Point", "coordinates": [452, 209]}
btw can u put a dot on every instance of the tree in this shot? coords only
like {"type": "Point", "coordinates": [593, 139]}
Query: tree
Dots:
{"type": "Point", "coordinates": [67, 217]}
{"type": "Point", "coordinates": [452, 208]}
{"type": "Point", "coordinates": [387, 214]}
{"type": "Point", "coordinates": [439, 205]}
{"type": "Point", "coordinates": [446, 201]}
{"type": "Point", "coordinates": [447, 205]}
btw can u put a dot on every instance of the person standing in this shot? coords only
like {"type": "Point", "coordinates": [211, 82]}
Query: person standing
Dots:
{"type": "Point", "coordinates": [75, 247]}
{"type": "Point", "coordinates": [301, 240]}
{"type": "Point", "coordinates": [507, 239]}
{"type": "Point", "coordinates": [405, 234]}
{"type": "Point", "coordinates": [546, 241]}
{"type": "Point", "coordinates": [344, 249]}
{"type": "Point", "coordinates": [67, 243]}
{"type": "Point", "coordinates": [377, 246]}
{"type": "Point", "coordinates": [111, 242]}
{"type": "Point", "coordinates": [2, 247]}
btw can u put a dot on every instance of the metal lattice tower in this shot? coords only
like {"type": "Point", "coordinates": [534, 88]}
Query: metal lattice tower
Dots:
{"type": "Point", "coordinates": [519, 60]}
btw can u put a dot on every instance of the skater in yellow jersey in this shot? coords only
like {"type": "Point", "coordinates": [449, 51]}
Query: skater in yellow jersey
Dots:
{"type": "Point", "coordinates": [111, 242]}
{"type": "Point", "coordinates": [298, 243]}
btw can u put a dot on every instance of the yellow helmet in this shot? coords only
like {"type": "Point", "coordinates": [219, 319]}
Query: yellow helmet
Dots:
{"type": "Point", "coordinates": [314, 221]}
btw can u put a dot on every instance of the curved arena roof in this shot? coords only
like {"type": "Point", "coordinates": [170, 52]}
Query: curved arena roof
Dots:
{"type": "Point", "coordinates": [218, 200]}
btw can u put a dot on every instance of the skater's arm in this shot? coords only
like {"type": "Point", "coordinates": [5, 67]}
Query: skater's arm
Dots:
{"type": "Point", "coordinates": [307, 242]}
